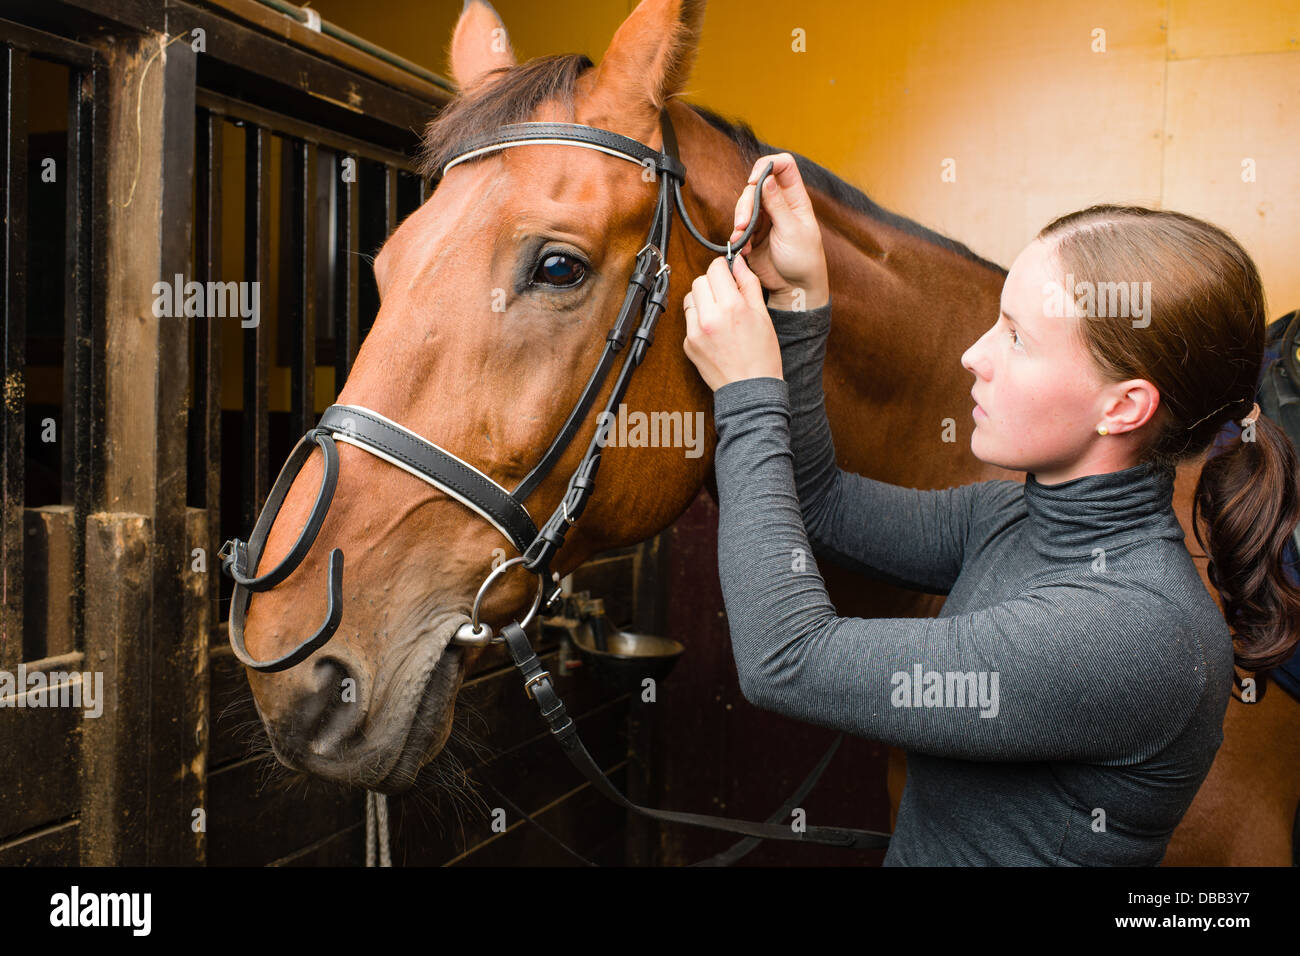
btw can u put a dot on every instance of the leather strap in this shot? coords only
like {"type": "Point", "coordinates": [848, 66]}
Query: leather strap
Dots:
{"type": "Point", "coordinates": [402, 447]}
{"type": "Point", "coordinates": [538, 686]}
{"type": "Point", "coordinates": [520, 134]}
{"type": "Point", "coordinates": [633, 300]}
{"type": "Point", "coordinates": [240, 560]}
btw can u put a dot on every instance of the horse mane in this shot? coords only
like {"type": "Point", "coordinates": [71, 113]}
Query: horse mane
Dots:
{"type": "Point", "coordinates": [513, 94]}
{"type": "Point", "coordinates": [824, 181]}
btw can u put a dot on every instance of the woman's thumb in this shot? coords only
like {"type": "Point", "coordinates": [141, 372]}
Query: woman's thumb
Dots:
{"type": "Point", "coordinates": [774, 202]}
{"type": "Point", "coordinates": [749, 285]}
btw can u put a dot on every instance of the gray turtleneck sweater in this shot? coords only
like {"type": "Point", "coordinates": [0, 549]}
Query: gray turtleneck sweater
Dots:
{"type": "Point", "coordinates": [1067, 702]}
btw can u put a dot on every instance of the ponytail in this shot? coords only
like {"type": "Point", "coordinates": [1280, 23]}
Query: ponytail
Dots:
{"type": "Point", "coordinates": [1248, 496]}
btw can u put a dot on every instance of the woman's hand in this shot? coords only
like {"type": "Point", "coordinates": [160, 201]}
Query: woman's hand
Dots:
{"type": "Point", "coordinates": [785, 251]}
{"type": "Point", "coordinates": [729, 335]}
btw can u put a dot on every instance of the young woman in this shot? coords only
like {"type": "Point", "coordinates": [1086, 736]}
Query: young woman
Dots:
{"type": "Point", "coordinates": [1061, 710]}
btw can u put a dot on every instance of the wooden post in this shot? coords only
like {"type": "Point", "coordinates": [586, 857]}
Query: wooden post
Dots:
{"type": "Point", "coordinates": [114, 766]}
{"type": "Point", "coordinates": [13, 301]}
{"type": "Point", "coordinates": [187, 735]}
{"type": "Point", "coordinates": [150, 183]}
{"type": "Point", "coordinates": [50, 565]}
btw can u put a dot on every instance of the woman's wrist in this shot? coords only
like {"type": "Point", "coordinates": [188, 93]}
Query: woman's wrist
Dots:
{"type": "Point", "coordinates": [799, 298]}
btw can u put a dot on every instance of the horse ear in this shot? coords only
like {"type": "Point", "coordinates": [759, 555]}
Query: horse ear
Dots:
{"type": "Point", "coordinates": [479, 44]}
{"type": "Point", "coordinates": [648, 62]}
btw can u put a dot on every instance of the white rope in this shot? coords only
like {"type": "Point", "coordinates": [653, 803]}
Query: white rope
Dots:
{"type": "Point", "coordinates": [377, 826]}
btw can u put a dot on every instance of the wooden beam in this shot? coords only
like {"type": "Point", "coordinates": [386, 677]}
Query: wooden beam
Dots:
{"type": "Point", "coordinates": [205, 422]}
{"type": "Point", "coordinates": [50, 562]}
{"type": "Point", "coordinates": [347, 259]}
{"type": "Point", "coordinates": [277, 24]}
{"type": "Point", "coordinates": [257, 360]}
{"type": "Point", "coordinates": [150, 183]}
{"type": "Point", "coordinates": [176, 672]}
{"type": "Point", "coordinates": [114, 767]}
{"type": "Point", "coordinates": [188, 732]}
{"type": "Point", "coordinates": [13, 410]}
{"type": "Point", "coordinates": [302, 200]}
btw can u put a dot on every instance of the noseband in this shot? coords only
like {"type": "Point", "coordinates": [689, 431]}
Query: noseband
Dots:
{"type": "Point", "coordinates": [643, 302]}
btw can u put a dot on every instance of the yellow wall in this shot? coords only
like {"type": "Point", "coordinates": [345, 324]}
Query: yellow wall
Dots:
{"type": "Point", "coordinates": [1038, 124]}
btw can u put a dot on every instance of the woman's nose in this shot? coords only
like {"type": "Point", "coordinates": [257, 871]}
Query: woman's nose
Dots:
{"type": "Point", "coordinates": [973, 358]}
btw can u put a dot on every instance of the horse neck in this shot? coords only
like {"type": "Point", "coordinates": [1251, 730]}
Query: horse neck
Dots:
{"type": "Point", "coordinates": [904, 310]}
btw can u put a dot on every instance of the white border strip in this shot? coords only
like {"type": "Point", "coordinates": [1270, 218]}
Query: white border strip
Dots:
{"type": "Point", "coordinates": [472, 154]}
{"type": "Point", "coordinates": [358, 443]}
{"type": "Point", "coordinates": [421, 439]}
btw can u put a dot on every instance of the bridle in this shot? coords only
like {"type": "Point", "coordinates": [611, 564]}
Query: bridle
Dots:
{"type": "Point", "coordinates": [647, 291]}
{"type": "Point", "coordinates": [644, 299]}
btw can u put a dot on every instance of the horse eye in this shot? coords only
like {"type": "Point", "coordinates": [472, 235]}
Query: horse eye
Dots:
{"type": "Point", "coordinates": [560, 270]}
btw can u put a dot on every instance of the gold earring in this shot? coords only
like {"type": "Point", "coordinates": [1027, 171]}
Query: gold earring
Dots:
{"type": "Point", "coordinates": [1102, 430]}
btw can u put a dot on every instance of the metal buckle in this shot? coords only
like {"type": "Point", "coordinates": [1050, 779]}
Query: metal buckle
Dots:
{"type": "Point", "coordinates": [528, 684]}
{"type": "Point", "coordinates": [549, 602]}
{"type": "Point", "coordinates": [655, 249]}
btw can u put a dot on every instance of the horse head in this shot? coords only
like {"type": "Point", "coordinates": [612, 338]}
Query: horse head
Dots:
{"type": "Point", "coordinates": [496, 298]}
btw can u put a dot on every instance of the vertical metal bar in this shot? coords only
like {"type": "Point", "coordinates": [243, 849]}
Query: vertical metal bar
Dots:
{"type": "Point", "coordinates": [80, 326]}
{"type": "Point", "coordinates": [257, 258]}
{"type": "Point", "coordinates": [98, 323]}
{"type": "Point", "coordinates": [303, 250]}
{"type": "Point", "coordinates": [390, 199]}
{"type": "Point", "coordinates": [207, 372]}
{"type": "Point", "coordinates": [13, 413]}
{"type": "Point", "coordinates": [347, 328]}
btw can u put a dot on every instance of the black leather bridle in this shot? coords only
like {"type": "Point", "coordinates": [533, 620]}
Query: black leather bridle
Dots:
{"type": "Point", "coordinates": [644, 299]}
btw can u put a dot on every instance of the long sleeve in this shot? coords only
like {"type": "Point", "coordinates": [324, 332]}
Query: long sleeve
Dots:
{"type": "Point", "coordinates": [915, 537]}
{"type": "Point", "coordinates": [1063, 670]}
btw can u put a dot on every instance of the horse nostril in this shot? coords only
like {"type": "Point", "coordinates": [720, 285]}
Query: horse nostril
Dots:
{"type": "Point", "coordinates": [331, 708]}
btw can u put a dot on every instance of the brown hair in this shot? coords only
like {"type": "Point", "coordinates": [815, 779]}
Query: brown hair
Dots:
{"type": "Point", "coordinates": [1203, 350]}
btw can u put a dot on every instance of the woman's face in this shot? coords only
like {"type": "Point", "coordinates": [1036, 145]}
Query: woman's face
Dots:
{"type": "Point", "coordinates": [1039, 394]}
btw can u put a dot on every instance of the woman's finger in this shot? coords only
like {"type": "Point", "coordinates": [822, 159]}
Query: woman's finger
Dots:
{"type": "Point", "coordinates": [744, 210]}
{"type": "Point", "coordinates": [722, 283]}
{"type": "Point", "coordinates": [748, 284]}
{"type": "Point", "coordinates": [788, 180]}
{"type": "Point", "coordinates": [700, 289]}
{"type": "Point", "coordinates": [692, 316]}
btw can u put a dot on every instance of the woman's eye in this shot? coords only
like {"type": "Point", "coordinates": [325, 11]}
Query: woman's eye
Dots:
{"type": "Point", "coordinates": [1015, 339]}
{"type": "Point", "coordinates": [560, 270]}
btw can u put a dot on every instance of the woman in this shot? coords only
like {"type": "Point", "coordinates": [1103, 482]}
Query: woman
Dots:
{"type": "Point", "coordinates": [1069, 701]}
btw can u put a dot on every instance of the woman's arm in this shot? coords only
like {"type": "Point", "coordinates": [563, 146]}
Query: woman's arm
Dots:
{"type": "Point", "coordinates": [909, 537]}
{"type": "Point", "coordinates": [1066, 672]}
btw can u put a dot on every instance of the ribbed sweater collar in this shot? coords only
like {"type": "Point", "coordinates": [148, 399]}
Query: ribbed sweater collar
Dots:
{"type": "Point", "coordinates": [1069, 519]}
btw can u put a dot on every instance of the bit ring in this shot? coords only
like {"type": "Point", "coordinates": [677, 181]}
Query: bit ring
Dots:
{"type": "Point", "coordinates": [480, 635]}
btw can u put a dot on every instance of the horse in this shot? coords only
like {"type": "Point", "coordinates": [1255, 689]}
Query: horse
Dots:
{"type": "Point", "coordinates": [468, 351]}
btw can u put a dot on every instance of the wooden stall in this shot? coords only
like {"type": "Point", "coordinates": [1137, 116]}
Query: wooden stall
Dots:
{"type": "Point", "coordinates": [223, 142]}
